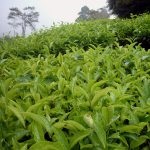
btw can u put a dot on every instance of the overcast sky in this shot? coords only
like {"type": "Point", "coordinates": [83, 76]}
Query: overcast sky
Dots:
{"type": "Point", "coordinates": [50, 10]}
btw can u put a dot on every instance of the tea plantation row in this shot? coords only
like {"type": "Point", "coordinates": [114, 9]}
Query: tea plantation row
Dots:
{"type": "Point", "coordinates": [82, 35]}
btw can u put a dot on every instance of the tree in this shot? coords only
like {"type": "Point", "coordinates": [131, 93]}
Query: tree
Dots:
{"type": "Point", "coordinates": [124, 8]}
{"type": "Point", "coordinates": [83, 14]}
{"type": "Point", "coordinates": [87, 14]}
{"type": "Point", "coordinates": [99, 14]}
{"type": "Point", "coordinates": [24, 19]}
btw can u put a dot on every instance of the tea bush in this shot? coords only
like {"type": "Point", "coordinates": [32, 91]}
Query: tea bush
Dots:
{"type": "Point", "coordinates": [76, 87]}
{"type": "Point", "coordinates": [60, 39]}
{"type": "Point", "coordinates": [95, 99]}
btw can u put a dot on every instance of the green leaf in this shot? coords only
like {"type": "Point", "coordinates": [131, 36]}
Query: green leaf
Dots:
{"type": "Point", "coordinates": [139, 141]}
{"type": "Point", "coordinates": [18, 114]}
{"type": "Point", "coordinates": [37, 131]}
{"type": "Point", "coordinates": [61, 138]}
{"type": "Point", "coordinates": [69, 124]}
{"type": "Point", "coordinates": [116, 146]}
{"type": "Point", "coordinates": [79, 91]}
{"type": "Point", "coordinates": [78, 137]}
{"type": "Point", "coordinates": [107, 113]}
{"type": "Point", "coordinates": [100, 130]}
{"type": "Point", "coordinates": [40, 103]}
{"type": "Point", "coordinates": [97, 84]}
{"type": "Point", "coordinates": [133, 128]}
{"type": "Point", "coordinates": [86, 147]}
{"type": "Point", "coordinates": [24, 147]}
{"type": "Point", "coordinates": [118, 136]}
{"type": "Point", "coordinates": [100, 94]}
{"type": "Point", "coordinates": [39, 119]}
{"type": "Point", "coordinates": [45, 145]}
{"type": "Point", "coordinates": [95, 141]}
{"type": "Point", "coordinates": [77, 125]}
{"type": "Point", "coordinates": [61, 125]}
{"type": "Point", "coordinates": [60, 58]}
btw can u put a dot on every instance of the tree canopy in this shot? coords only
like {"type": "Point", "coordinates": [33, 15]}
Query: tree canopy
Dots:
{"type": "Point", "coordinates": [87, 14]}
{"type": "Point", "coordinates": [124, 8]}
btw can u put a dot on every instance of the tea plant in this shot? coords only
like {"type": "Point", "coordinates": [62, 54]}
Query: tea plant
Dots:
{"type": "Point", "coordinates": [80, 35]}
{"type": "Point", "coordinates": [97, 99]}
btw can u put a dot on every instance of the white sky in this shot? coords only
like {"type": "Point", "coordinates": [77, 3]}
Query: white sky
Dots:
{"type": "Point", "coordinates": [50, 10]}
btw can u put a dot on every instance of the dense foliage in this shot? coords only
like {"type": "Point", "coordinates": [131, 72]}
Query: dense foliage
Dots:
{"type": "Point", "coordinates": [93, 98]}
{"type": "Point", "coordinates": [124, 8]}
{"type": "Point", "coordinates": [82, 35]}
